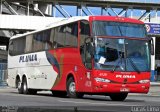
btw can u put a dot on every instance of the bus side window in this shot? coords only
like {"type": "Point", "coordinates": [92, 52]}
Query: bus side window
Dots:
{"type": "Point", "coordinates": [11, 50]}
{"type": "Point", "coordinates": [19, 45]}
{"type": "Point", "coordinates": [65, 35]}
{"type": "Point", "coordinates": [29, 43]}
{"type": "Point", "coordinates": [47, 39]}
{"type": "Point", "coordinates": [84, 34]}
{"type": "Point", "coordinates": [52, 36]}
{"type": "Point", "coordinates": [72, 35]}
{"type": "Point", "coordinates": [37, 41]}
{"type": "Point", "coordinates": [41, 40]}
{"type": "Point", "coordinates": [55, 41]}
{"type": "Point", "coordinates": [60, 36]}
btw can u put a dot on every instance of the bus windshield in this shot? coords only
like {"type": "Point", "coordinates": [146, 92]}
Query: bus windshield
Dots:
{"type": "Point", "coordinates": [106, 28]}
{"type": "Point", "coordinates": [122, 54]}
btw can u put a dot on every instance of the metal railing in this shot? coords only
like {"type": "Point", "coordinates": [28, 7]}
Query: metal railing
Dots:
{"type": "Point", "coordinates": [141, 1]}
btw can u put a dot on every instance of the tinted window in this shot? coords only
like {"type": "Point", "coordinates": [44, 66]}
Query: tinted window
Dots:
{"type": "Point", "coordinates": [66, 35]}
{"type": "Point", "coordinates": [60, 36]}
{"type": "Point", "coordinates": [84, 48]}
{"type": "Point", "coordinates": [41, 41]}
{"type": "Point", "coordinates": [85, 31]}
{"type": "Point", "coordinates": [29, 43]}
{"type": "Point", "coordinates": [17, 46]}
{"type": "Point", "coordinates": [71, 34]}
{"type": "Point", "coordinates": [105, 28]}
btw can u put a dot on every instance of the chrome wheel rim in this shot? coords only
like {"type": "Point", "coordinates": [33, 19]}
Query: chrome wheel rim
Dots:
{"type": "Point", "coordinates": [19, 85]}
{"type": "Point", "coordinates": [24, 87]}
{"type": "Point", "coordinates": [72, 88]}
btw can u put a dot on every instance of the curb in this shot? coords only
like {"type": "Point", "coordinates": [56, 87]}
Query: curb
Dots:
{"type": "Point", "coordinates": [155, 83]}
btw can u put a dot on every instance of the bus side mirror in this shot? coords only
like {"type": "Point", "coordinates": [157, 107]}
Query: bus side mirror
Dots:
{"type": "Point", "coordinates": [152, 46]}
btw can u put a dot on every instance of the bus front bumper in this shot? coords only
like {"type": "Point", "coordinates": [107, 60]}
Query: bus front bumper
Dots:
{"type": "Point", "coordinates": [117, 88]}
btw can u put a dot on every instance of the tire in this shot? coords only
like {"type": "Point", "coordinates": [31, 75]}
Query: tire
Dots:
{"type": "Point", "coordinates": [25, 87]}
{"type": "Point", "coordinates": [59, 93]}
{"type": "Point", "coordinates": [26, 90]}
{"type": "Point", "coordinates": [71, 89]}
{"type": "Point", "coordinates": [118, 96]}
{"type": "Point", "coordinates": [19, 86]}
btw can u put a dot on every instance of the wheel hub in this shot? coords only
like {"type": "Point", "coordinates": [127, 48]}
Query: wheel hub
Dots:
{"type": "Point", "coordinates": [19, 85]}
{"type": "Point", "coordinates": [72, 87]}
{"type": "Point", "coordinates": [24, 87]}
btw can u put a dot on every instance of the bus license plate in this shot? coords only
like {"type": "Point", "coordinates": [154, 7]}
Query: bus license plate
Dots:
{"type": "Point", "coordinates": [124, 90]}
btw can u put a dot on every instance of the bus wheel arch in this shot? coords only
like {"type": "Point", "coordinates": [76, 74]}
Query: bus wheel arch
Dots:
{"type": "Point", "coordinates": [19, 84]}
{"type": "Point", "coordinates": [71, 87]}
{"type": "Point", "coordinates": [17, 81]}
{"type": "Point", "coordinates": [70, 75]}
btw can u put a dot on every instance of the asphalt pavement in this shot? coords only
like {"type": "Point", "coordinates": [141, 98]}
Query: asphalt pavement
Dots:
{"type": "Point", "coordinates": [11, 101]}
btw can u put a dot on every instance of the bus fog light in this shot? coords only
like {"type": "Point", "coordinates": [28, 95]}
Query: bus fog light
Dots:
{"type": "Point", "coordinates": [102, 80]}
{"type": "Point", "coordinates": [144, 81]}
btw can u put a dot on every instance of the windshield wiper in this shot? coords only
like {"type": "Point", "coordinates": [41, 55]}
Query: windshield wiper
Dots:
{"type": "Point", "coordinates": [115, 66]}
{"type": "Point", "coordinates": [133, 65]}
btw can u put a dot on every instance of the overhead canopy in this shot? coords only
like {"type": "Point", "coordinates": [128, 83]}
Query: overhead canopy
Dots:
{"type": "Point", "coordinates": [101, 3]}
{"type": "Point", "coordinates": [25, 22]}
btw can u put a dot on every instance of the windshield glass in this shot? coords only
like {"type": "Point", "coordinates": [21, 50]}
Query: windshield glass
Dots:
{"type": "Point", "coordinates": [122, 55]}
{"type": "Point", "coordinates": [106, 28]}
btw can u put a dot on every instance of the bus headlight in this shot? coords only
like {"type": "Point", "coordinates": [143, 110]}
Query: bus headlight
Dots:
{"type": "Point", "coordinates": [102, 80]}
{"type": "Point", "coordinates": [144, 81]}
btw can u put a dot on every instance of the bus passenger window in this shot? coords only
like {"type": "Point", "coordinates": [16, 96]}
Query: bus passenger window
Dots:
{"type": "Point", "coordinates": [60, 36]}
{"type": "Point", "coordinates": [47, 40]}
{"type": "Point", "coordinates": [52, 36]}
{"type": "Point", "coordinates": [11, 50]}
{"type": "Point", "coordinates": [29, 46]}
{"type": "Point", "coordinates": [72, 35]}
{"type": "Point", "coordinates": [41, 41]}
{"type": "Point", "coordinates": [19, 45]}
{"type": "Point", "coordinates": [84, 50]}
{"type": "Point", "coordinates": [37, 41]}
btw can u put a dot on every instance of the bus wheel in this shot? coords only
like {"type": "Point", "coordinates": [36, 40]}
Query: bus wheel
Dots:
{"type": "Point", "coordinates": [19, 86]}
{"type": "Point", "coordinates": [118, 96]}
{"type": "Point", "coordinates": [25, 87]}
{"type": "Point", "coordinates": [71, 89]}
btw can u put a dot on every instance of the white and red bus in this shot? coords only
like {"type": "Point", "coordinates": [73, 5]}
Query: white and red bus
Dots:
{"type": "Point", "coordinates": [82, 55]}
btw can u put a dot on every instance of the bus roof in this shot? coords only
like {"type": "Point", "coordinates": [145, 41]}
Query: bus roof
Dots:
{"type": "Point", "coordinates": [77, 18]}
{"type": "Point", "coordinates": [115, 18]}
{"type": "Point", "coordinates": [57, 23]}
